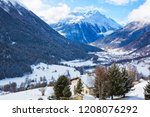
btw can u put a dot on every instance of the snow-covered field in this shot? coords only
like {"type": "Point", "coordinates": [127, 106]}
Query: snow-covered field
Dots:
{"type": "Point", "coordinates": [33, 94]}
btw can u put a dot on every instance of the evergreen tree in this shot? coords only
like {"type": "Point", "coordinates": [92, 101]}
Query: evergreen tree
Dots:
{"type": "Point", "coordinates": [67, 92]}
{"type": "Point", "coordinates": [147, 91]}
{"type": "Point", "coordinates": [126, 82]}
{"type": "Point", "coordinates": [115, 80]}
{"type": "Point", "coordinates": [79, 87]}
{"type": "Point", "coordinates": [120, 81]}
{"type": "Point", "coordinates": [60, 85]}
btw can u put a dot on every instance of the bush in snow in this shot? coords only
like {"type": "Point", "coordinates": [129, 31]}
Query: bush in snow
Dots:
{"type": "Point", "coordinates": [40, 98]}
{"type": "Point", "coordinates": [13, 87]}
{"type": "Point", "coordinates": [6, 87]}
{"type": "Point", "coordinates": [52, 97]}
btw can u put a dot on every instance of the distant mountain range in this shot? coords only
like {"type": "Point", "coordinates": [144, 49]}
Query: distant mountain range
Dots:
{"type": "Point", "coordinates": [25, 40]}
{"type": "Point", "coordinates": [134, 35]}
{"type": "Point", "coordinates": [86, 27]}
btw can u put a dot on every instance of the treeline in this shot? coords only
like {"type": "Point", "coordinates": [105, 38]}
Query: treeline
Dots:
{"type": "Point", "coordinates": [27, 84]}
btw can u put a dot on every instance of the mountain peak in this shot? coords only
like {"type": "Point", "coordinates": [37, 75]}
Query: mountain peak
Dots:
{"type": "Point", "coordinates": [90, 16]}
{"type": "Point", "coordinates": [86, 26]}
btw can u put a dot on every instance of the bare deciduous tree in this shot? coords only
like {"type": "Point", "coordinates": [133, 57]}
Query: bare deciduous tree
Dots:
{"type": "Point", "coordinates": [101, 81]}
{"type": "Point", "coordinates": [132, 72]}
{"type": "Point", "coordinates": [42, 90]}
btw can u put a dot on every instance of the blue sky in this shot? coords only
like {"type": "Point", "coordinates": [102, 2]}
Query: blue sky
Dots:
{"type": "Point", "coordinates": [122, 11]}
{"type": "Point", "coordinates": [114, 10]}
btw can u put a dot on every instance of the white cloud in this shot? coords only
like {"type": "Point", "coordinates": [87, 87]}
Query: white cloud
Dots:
{"type": "Point", "coordinates": [51, 14]}
{"type": "Point", "coordinates": [119, 2]}
{"type": "Point", "coordinates": [141, 14]}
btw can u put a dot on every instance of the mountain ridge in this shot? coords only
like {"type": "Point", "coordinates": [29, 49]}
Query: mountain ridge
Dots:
{"type": "Point", "coordinates": [128, 37]}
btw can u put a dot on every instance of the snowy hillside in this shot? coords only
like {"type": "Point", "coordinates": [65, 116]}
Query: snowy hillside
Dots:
{"type": "Point", "coordinates": [50, 72]}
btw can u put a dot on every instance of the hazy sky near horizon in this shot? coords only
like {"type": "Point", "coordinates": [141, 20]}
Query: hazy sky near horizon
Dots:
{"type": "Point", "coordinates": [122, 11]}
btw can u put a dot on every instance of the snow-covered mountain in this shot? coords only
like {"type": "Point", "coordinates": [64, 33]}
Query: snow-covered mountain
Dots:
{"type": "Point", "coordinates": [134, 35]}
{"type": "Point", "coordinates": [25, 40]}
{"type": "Point", "coordinates": [86, 27]}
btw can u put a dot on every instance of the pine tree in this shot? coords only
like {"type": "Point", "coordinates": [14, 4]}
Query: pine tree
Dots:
{"type": "Point", "coordinates": [79, 87]}
{"type": "Point", "coordinates": [66, 92]}
{"type": "Point", "coordinates": [115, 80]}
{"type": "Point", "coordinates": [147, 91]}
{"type": "Point", "coordinates": [60, 85]}
{"type": "Point", "coordinates": [120, 81]}
{"type": "Point", "coordinates": [126, 82]}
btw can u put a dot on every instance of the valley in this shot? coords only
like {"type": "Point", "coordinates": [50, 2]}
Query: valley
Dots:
{"type": "Point", "coordinates": [35, 54]}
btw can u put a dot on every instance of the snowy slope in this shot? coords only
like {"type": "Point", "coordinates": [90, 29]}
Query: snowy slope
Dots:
{"type": "Point", "coordinates": [33, 94]}
{"type": "Point", "coordinates": [138, 93]}
{"type": "Point", "coordinates": [43, 70]}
